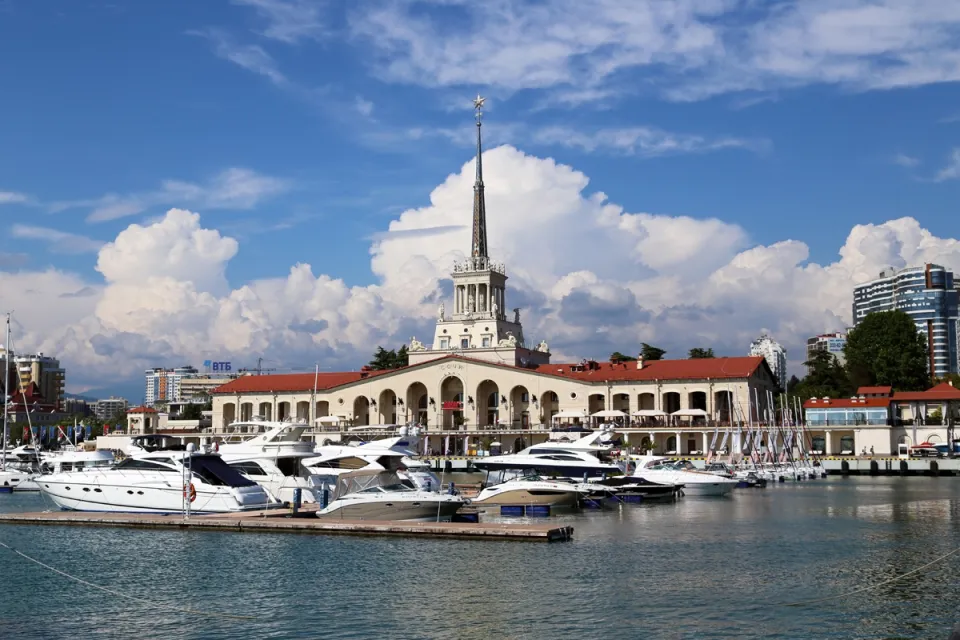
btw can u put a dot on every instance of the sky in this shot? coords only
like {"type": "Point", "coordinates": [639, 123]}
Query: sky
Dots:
{"type": "Point", "coordinates": [292, 179]}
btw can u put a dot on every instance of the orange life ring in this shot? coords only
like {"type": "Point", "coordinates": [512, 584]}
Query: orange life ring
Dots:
{"type": "Point", "coordinates": [190, 491]}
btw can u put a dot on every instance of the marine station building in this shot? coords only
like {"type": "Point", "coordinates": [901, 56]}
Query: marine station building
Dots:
{"type": "Point", "coordinates": [479, 380]}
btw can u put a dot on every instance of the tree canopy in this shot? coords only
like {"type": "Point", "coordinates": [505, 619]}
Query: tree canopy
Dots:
{"type": "Point", "coordinates": [825, 377]}
{"type": "Point", "coordinates": [886, 349]}
{"type": "Point", "coordinates": [616, 356]}
{"type": "Point", "coordinates": [392, 359]}
{"type": "Point", "coordinates": [699, 352]}
{"type": "Point", "coordinates": [649, 352]}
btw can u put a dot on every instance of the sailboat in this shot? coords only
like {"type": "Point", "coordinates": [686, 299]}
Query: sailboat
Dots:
{"type": "Point", "coordinates": [10, 479]}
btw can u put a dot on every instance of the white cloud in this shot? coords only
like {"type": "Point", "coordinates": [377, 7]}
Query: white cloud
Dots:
{"type": "Point", "coordinates": [904, 160]}
{"type": "Point", "coordinates": [12, 197]}
{"type": "Point", "coordinates": [684, 49]}
{"type": "Point", "coordinates": [59, 241]}
{"type": "Point", "coordinates": [289, 21]}
{"type": "Point", "coordinates": [590, 277]}
{"type": "Point", "coordinates": [642, 141]}
{"type": "Point", "coordinates": [364, 107]}
{"type": "Point", "coordinates": [951, 171]}
{"type": "Point", "coordinates": [251, 57]}
{"type": "Point", "coordinates": [235, 188]}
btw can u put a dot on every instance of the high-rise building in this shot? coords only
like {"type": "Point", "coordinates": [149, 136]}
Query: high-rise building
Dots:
{"type": "Point", "coordinates": [77, 407]}
{"type": "Point", "coordinates": [107, 408]}
{"type": "Point", "coordinates": [163, 385]}
{"type": "Point", "coordinates": [774, 354]}
{"type": "Point", "coordinates": [43, 370]}
{"type": "Point", "coordinates": [929, 295]}
{"type": "Point", "coordinates": [197, 388]}
{"type": "Point", "coordinates": [832, 343]}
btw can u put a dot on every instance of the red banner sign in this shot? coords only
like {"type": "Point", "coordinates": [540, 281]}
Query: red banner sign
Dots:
{"type": "Point", "coordinates": [452, 405]}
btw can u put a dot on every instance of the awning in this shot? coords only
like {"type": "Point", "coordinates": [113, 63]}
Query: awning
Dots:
{"type": "Point", "coordinates": [570, 413]}
{"type": "Point", "coordinates": [693, 413]}
{"type": "Point", "coordinates": [649, 413]}
{"type": "Point", "coordinates": [609, 413]}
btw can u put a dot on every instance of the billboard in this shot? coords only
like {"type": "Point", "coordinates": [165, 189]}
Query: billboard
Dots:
{"type": "Point", "coordinates": [217, 367]}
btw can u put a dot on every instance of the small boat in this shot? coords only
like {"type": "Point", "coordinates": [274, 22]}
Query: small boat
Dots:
{"type": "Point", "coordinates": [530, 490]}
{"type": "Point", "coordinates": [695, 482]}
{"type": "Point", "coordinates": [381, 495]}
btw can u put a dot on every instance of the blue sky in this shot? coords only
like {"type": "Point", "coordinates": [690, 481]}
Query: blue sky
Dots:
{"type": "Point", "coordinates": [303, 128]}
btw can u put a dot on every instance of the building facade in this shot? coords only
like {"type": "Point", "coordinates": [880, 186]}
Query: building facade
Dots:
{"type": "Point", "coordinates": [832, 343]}
{"type": "Point", "coordinates": [775, 355]}
{"type": "Point", "coordinates": [164, 385]}
{"type": "Point", "coordinates": [107, 408]}
{"type": "Point", "coordinates": [929, 295]}
{"type": "Point", "coordinates": [44, 371]}
{"type": "Point", "coordinates": [480, 380]}
{"type": "Point", "coordinates": [197, 388]}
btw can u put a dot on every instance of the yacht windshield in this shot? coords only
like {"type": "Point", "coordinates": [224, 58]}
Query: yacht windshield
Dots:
{"type": "Point", "coordinates": [214, 471]}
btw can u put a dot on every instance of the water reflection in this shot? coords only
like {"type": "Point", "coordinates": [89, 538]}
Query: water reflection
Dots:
{"type": "Point", "coordinates": [698, 568]}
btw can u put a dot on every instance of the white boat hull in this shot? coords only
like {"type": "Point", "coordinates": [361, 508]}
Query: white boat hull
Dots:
{"type": "Point", "coordinates": [708, 488]}
{"type": "Point", "coordinates": [518, 497]}
{"type": "Point", "coordinates": [424, 508]}
{"type": "Point", "coordinates": [73, 495]}
{"type": "Point", "coordinates": [18, 480]}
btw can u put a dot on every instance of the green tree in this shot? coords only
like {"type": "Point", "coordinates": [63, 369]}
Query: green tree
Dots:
{"type": "Point", "coordinates": [401, 359]}
{"type": "Point", "coordinates": [616, 356]}
{"type": "Point", "coordinates": [792, 384]}
{"type": "Point", "coordinates": [825, 377]}
{"type": "Point", "coordinates": [383, 359]}
{"type": "Point", "coordinates": [192, 411]}
{"type": "Point", "coordinates": [698, 352]}
{"type": "Point", "coordinates": [885, 349]}
{"type": "Point", "coordinates": [649, 352]}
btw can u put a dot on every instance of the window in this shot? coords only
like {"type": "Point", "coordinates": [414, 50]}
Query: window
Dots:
{"type": "Point", "coordinates": [214, 471]}
{"type": "Point", "coordinates": [248, 468]}
{"type": "Point", "coordinates": [486, 341]}
{"type": "Point", "coordinates": [464, 343]}
{"type": "Point", "coordinates": [444, 343]}
{"type": "Point", "coordinates": [133, 464]}
{"type": "Point", "coordinates": [524, 397]}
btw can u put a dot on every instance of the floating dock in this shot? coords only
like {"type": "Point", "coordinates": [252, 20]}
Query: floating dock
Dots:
{"type": "Point", "coordinates": [281, 521]}
{"type": "Point", "coordinates": [891, 466]}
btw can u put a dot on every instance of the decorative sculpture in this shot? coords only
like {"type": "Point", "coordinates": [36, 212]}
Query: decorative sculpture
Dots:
{"type": "Point", "coordinates": [496, 310]}
{"type": "Point", "coordinates": [416, 345]}
{"type": "Point", "coordinates": [542, 347]}
{"type": "Point", "coordinates": [516, 315]}
{"type": "Point", "coordinates": [440, 311]}
{"type": "Point", "coordinates": [509, 341]}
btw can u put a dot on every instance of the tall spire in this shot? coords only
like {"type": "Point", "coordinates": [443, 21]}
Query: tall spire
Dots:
{"type": "Point", "coordinates": [479, 240]}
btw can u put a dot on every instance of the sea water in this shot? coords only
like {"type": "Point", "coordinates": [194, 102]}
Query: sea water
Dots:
{"type": "Point", "coordinates": [701, 568]}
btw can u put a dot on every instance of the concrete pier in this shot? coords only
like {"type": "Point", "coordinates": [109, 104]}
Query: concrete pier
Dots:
{"type": "Point", "coordinates": [281, 522]}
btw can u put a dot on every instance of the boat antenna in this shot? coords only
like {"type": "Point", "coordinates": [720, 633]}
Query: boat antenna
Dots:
{"type": "Point", "coordinates": [6, 392]}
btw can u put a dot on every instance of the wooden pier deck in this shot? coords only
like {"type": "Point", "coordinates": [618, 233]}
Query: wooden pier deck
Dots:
{"type": "Point", "coordinates": [280, 521]}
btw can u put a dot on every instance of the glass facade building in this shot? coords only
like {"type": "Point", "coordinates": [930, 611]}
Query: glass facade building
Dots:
{"type": "Point", "coordinates": [928, 294]}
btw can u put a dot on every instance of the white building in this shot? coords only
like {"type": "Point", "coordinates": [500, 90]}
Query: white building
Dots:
{"type": "Point", "coordinates": [479, 380]}
{"type": "Point", "coordinates": [774, 354]}
{"type": "Point", "coordinates": [832, 343]}
{"type": "Point", "coordinates": [107, 408]}
{"type": "Point", "coordinates": [163, 385]}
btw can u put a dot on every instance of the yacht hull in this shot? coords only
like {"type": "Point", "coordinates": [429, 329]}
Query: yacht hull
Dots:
{"type": "Point", "coordinates": [71, 495]}
{"type": "Point", "coordinates": [18, 481]}
{"type": "Point", "coordinates": [517, 497]}
{"type": "Point", "coordinates": [425, 510]}
{"type": "Point", "coordinates": [708, 488]}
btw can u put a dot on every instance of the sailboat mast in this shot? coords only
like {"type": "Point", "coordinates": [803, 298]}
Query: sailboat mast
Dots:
{"type": "Point", "coordinates": [6, 392]}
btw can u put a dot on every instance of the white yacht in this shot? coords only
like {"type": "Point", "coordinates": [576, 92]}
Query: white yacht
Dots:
{"type": "Point", "coordinates": [530, 490]}
{"type": "Point", "coordinates": [557, 460]}
{"type": "Point", "coordinates": [695, 483]}
{"type": "Point", "coordinates": [280, 474]}
{"type": "Point", "coordinates": [381, 495]}
{"type": "Point", "coordinates": [155, 483]}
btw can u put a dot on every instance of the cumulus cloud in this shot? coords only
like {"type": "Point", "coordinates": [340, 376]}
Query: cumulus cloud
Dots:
{"type": "Point", "coordinates": [684, 49]}
{"type": "Point", "coordinates": [589, 276]}
{"type": "Point", "coordinates": [951, 171]}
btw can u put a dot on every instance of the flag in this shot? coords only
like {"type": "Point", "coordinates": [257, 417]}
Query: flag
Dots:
{"type": "Point", "coordinates": [446, 446]}
{"type": "Point", "coordinates": [26, 435]}
{"type": "Point", "coordinates": [89, 430]}
{"type": "Point", "coordinates": [106, 429]}
{"type": "Point", "coordinates": [713, 441]}
{"type": "Point", "coordinates": [69, 433]}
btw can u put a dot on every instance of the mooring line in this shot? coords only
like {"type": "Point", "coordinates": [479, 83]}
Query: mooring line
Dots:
{"type": "Point", "coordinates": [121, 594]}
{"type": "Point", "coordinates": [876, 586]}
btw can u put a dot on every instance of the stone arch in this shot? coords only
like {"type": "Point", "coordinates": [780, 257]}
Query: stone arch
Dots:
{"type": "Point", "coordinates": [488, 403]}
{"type": "Point", "coordinates": [451, 397]}
{"type": "Point", "coordinates": [303, 411]}
{"type": "Point", "coordinates": [520, 407]}
{"type": "Point", "coordinates": [361, 411]}
{"type": "Point", "coordinates": [697, 400]}
{"type": "Point", "coordinates": [671, 401]}
{"type": "Point", "coordinates": [596, 402]}
{"type": "Point", "coordinates": [621, 402]}
{"type": "Point", "coordinates": [549, 406]}
{"type": "Point", "coordinates": [246, 411]}
{"type": "Point", "coordinates": [416, 403]}
{"type": "Point", "coordinates": [671, 444]}
{"type": "Point", "coordinates": [722, 405]}
{"type": "Point", "coordinates": [265, 410]}
{"type": "Point", "coordinates": [283, 410]}
{"type": "Point", "coordinates": [387, 406]}
{"type": "Point", "coordinates": [229, 413]}
{"type": "Point", "coordinates": [646, 401]}
{"type": "Point", "coordinates": [322, 408]}
{"type": "Point", "coordinates": [519, 444]}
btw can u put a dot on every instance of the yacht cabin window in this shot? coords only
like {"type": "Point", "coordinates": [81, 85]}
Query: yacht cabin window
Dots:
{"type": "Point", "coordinates": [133, 464]}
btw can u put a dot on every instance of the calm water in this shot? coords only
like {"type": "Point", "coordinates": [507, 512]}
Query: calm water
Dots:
{"type": "Point", "coordinates": [703, 568]}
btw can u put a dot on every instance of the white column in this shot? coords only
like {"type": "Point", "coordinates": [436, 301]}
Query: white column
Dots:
{"type": "Point", "coordinates": [827, 442]}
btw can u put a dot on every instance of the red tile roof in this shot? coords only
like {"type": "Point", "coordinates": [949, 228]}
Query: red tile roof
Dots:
{"type": "Point", "coordinates": [142, 410]}
{"type": "Point", "coordinates": [846, 403]}
{"type": "Point", "coordinates": [694, 369]}
{"type": "Point", "coordinates": [296, 381]}
{"type": "Point", "coordinates": [874, 391]}
{"type": "Point", "coordinates": [943, 391]}
{"type": "Point", "coordinates": [691, 369]}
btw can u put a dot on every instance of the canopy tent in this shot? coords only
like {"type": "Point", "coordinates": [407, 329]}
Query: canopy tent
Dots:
{"type": "Point", "coordinates": [569, 413]}
{"type": "Point", "coordinates": [649, 413]}
{"type": "Point", "coordinates": [331, 419]}
{"type": "Point", "coordinates": [693, 413]}
{"type": "Point", "coordinates": [609, 413]}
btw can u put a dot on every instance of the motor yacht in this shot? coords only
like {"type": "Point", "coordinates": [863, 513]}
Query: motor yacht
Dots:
{"type": "Point", "coordinates": [530, 490]}
{"type": "Point", "coordinates": [157, 482]}
{"type": "Point", "coordinates": [628, 486]}
{"type": "Point", "coordinates": [660, 470]}
{"type": "Point", "coordinates": [381, 495]}
{"type": "Point", "coordinates": [15, 480]}
{"type": "Point", "coordinates": [550, 458]}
